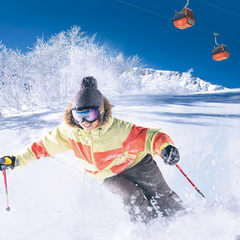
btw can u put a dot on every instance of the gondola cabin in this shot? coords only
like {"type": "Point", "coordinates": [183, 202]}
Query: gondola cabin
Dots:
{"type": "Point", "coordinates": [183, 19]}
{"type": "Point", "coordinates": [220, 53]}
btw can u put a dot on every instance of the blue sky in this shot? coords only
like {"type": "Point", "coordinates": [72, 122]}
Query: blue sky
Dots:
{"type": "Point", "coordinates": [136, 27]}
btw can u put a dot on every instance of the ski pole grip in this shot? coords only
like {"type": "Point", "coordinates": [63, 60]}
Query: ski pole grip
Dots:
{"type": "Point", "coordinates": [8, 161]}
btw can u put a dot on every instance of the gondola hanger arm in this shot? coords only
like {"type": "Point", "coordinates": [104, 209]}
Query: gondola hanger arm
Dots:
{"type": "Point", "coordinates": [186, 4]}
{"type": "Point", "coordinates": [216, 34]}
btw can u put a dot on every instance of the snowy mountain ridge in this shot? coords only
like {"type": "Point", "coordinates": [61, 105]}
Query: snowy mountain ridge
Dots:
{"type": "Point", "coordinates": [151, 81]}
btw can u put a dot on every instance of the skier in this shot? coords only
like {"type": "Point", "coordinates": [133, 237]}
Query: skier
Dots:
{"type": "Point", "coordinates": [115, 152]}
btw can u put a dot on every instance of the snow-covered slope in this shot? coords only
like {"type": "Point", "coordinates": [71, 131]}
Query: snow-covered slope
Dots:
{"type": "Point", "coordinates": [177, 83]}
{"type": "Point", "coordinates": [53, 199]}
{"type": "Point", "coordinates": [134, 81]}
{"type": "Point", "coordinates": [150, 81]}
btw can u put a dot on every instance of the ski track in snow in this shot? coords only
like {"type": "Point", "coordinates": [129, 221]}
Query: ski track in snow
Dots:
{"type": "Point", "coordinates": [53, 199]}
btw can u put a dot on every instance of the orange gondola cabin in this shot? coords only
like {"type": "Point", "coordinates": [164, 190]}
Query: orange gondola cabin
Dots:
{"type": "Point", "coordinates": [220, 53]}
{"type": "Point", "coordinates": [183, 19]}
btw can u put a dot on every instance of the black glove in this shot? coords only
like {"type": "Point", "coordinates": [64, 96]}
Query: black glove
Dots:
{"type": "Point", "coordinates": [170, 155]}
{"type": "Point", "coordinates": [7, 162]}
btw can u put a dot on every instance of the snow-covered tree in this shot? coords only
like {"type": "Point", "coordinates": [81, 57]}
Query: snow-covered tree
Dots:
{"type": "Point", "coordinates": [51, 71]}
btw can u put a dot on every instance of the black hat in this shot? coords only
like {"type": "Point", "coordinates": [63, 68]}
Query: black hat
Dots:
{"type": "Point", "coordinates": [88, 96]}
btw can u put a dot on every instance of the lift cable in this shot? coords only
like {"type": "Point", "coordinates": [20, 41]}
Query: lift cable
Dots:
{"type": "Point", "coordinates": [223, 9]}
{"type": "Point", "coordinates": [152, 12]}
{"type": "Point", "coordinates": [144, 9]}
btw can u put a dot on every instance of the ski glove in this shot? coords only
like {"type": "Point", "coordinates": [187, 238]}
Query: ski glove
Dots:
{"type": "Point", "coordinates": [7, 162]}
{"type": "Point", "coordinates": [170, 155]}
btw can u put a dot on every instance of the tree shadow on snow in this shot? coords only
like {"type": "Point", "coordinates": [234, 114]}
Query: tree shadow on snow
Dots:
{"type": "Point", "coordinates": [50, 118]}
{"type": "Point", "coordinates": [186, 100]}
{"type": "Point", "coordinates": [144, 107]}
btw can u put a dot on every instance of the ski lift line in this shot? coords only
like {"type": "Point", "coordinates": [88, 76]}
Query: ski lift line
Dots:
{"type": "Point", "coordinates": [223, 9]}
{"type": "Point", "coordinates": [149, 11]}
{"type": "Point", "coordinates": [146, 10]}
{"type": "Point", "coordinates": [211, 32]}
{"type": "Point", "coordinates": [231, 38]}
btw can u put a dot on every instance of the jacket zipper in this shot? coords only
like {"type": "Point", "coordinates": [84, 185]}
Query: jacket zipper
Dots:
{"type": "Point", "coordinates": [89, 136]}
{"type": "Point", "coordinates": [99, 131]}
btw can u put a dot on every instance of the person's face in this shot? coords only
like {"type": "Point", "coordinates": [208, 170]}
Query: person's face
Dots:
{"type": "Point", "coordinates": [88, 119]}
{"type": "Point", "coordinates": [89, 126]}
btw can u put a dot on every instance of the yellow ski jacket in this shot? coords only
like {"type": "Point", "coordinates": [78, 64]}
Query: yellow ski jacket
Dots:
{"type": "Point", "coordinates": [108, 150]}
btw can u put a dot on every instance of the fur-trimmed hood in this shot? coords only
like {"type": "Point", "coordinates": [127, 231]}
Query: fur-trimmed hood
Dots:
{"type": "Point", "coordinates": [107, 114]}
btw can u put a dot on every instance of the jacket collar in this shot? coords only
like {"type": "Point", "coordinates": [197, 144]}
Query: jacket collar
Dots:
{"type": "Point", "coordinates": [98, 131]}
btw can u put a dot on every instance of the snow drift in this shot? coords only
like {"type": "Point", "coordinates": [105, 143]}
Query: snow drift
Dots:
{"type": "Point", "coordinates": [53, 199]}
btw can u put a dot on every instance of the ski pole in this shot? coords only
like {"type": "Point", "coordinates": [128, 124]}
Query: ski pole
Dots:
{"type": "Point", "coordinates": [190, 181]}
{"type": "Point", "coordinates": [5, 182]}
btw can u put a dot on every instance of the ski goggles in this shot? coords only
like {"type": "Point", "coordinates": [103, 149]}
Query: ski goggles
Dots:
{"type": "Point", "coordinates": [88, 115]}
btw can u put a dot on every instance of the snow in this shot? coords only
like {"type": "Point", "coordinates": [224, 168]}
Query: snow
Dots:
{"type": "Point", "coordinates": [151, 81]}
{"type": "Point", "coordinates": [52, 198]}
{"type": "Point", "coordinates": [49, 73]}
